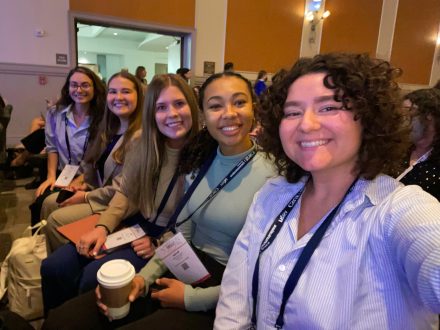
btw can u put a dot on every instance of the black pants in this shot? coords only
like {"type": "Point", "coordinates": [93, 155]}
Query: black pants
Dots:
{"type": "Point", "coordinates": [35, 207]}
{"type": "Point", "coordinates": [145, 313]}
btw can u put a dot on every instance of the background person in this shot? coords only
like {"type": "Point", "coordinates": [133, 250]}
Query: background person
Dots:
{"type": "Point", "coordinates": [185, 73]}
{"type": "Point", "coordinates": [141, 74]}
{"type": "Point", "coordinates": [260, 83]}
{"type": "Point", "coordinates": [423, 109]}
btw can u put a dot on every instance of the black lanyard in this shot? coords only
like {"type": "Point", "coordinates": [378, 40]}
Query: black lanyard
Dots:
{"type": "Point", "coordinates": [202, 172]}
{"type": "Point", "coordinates": [150, 227]}
{"type": "Point", "coordinates": [101, 161]}
{"type": "Point", "coordinates": [303, 259]}
{"type": "Point", "coordinates": [66, 121]}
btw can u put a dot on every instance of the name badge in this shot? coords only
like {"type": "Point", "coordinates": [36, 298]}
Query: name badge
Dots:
{"type": "Point", "coordinates": [66, 176]}
{"type": "Point", "coordinates": [182, 261]}
{"type": "Point", "coordinates": [122, 237]}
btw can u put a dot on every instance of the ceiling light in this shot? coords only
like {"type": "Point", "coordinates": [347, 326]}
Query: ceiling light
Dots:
{"type": "Point", "coordinates": [115, 33]}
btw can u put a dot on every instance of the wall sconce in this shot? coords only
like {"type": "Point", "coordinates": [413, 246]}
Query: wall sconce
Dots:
{"type": "Point", "coordinates": [314, 19]}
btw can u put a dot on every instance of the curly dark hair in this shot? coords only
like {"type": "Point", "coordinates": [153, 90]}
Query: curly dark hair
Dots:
{"type": "Point", "coordinates": [428, 104]}
{"type": "Point", "coordinates": [365, 86]}
{"type": "Point", "coordinates": [97, 104]}
{"type": "Point", "coordinates": [198, 149]}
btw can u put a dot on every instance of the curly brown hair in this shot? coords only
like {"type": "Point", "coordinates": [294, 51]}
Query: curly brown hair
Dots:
{"type": "Point", "coordinates": [365, 86]}
{"type": "Point", "coordinates": [428, 104]}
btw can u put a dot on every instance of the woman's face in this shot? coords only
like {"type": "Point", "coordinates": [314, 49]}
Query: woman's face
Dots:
{"type": "Point", "coordinates": [122, 97]}
{"type": "Point", "coordinates": [81, 88]}
{"type": "Point", "coordinates": [228, 114]}
{"type": "Point", "coordinates": [417, 127]}
{"type": "Point", "coordinates": [315, 132]}
{"type": "Point", "coordinates": [173, 116]}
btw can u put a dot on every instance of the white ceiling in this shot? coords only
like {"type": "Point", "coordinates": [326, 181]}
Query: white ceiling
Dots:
{"type": "Point", "coordinates": [145, 40]}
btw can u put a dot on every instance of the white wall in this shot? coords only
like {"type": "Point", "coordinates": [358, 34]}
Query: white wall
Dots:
{"type": "Point", "coordinates": [126, 51]}
{"type": "Point", "coordinates": [173, 58]}
{"type": "Point", "coordinates": [210, 34]}
{"type": "Point", "coordinates": [18, 21]}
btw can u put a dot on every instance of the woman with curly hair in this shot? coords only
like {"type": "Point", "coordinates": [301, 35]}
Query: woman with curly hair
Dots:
{"type": "Point", "coordinates": [358, 250]}
{"type": "Point", "coordinates": [423, 109]}
{"type": "Point", "coordinates": [70, 125]}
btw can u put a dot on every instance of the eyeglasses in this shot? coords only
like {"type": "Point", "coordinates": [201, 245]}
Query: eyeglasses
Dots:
{"type": "Point", "coordinates": [83, 86]}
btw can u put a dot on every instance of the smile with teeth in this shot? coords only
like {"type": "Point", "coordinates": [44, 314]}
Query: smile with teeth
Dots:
{"type": "Point", "coordinates": [311, 144]}
{"type": "Point", "coordinates": [174, 124]}
{"type": "Point", "coordinates": [229, 128]}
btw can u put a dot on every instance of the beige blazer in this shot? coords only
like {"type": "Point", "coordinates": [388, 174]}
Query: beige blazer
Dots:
{"type": "Point", "coordinates": [102, 189]}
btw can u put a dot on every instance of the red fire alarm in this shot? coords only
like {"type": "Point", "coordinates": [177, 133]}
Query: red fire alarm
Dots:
{"type": "Point", "coordinates": [42, 80]}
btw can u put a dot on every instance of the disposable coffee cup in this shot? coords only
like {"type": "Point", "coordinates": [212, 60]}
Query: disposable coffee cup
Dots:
{"type": "Point", "coordinates": [114, 278]}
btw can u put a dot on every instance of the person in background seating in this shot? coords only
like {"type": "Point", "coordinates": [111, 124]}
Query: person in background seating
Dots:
{"type": "Point", "coordinates": [422, 107]}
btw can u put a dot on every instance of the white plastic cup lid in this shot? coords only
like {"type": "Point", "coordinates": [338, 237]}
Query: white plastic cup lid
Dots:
{"type": "Point", "coordinates": [115, 273]}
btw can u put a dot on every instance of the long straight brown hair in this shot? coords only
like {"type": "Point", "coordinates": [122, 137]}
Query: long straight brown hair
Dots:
{"type": "Point", "coordinates": [110, 125]}
{"type": "Point", "coordinates": [150, 150]}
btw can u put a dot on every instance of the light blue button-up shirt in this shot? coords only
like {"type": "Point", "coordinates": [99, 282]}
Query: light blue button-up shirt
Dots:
{"type": "Point", "coordinates": [56, 136]}
{"type": "Point", "coordinates": [377, 267]}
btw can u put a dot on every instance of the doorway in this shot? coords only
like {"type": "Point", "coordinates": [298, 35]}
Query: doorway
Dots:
{"type": "Point", "coordinates": [110, 48]}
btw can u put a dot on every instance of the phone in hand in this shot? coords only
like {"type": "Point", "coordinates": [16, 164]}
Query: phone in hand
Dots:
{"type": "Point", "coordinates": [63, 195]}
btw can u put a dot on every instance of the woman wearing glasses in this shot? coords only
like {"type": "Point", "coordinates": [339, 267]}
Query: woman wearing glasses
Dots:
{"type": "Point", "coordinates": [70, 125]}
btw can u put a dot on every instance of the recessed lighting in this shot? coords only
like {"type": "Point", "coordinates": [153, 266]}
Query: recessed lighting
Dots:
{"type": "Point", "coordinates": [115, 33]}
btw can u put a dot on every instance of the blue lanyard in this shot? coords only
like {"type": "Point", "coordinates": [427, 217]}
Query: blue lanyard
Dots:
{"type": "Point", "coordinates": [303, 259]}
{"type": "Point", "coordinates": [66, 121]}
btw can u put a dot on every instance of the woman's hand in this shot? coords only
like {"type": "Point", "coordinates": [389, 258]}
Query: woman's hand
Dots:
{"type": "Point", "coordinates": [78, 198]}
{"type": "Point", "coordinates": [49, 183]}
{"type": "Point", "coordinates": [143, 247]}
{"type": "Point", "coordinates": [137, 289]}
{"type": "Point", "coordinates": [172, 295]}
{"type": "Point", "coordinates": [90, 243]}
{"type": "Point", "coordinates": [78, 183]}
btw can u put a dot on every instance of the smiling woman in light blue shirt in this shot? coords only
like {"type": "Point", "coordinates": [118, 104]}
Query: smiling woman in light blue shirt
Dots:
{"type": "Point", "coordinates": [334, 243]}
